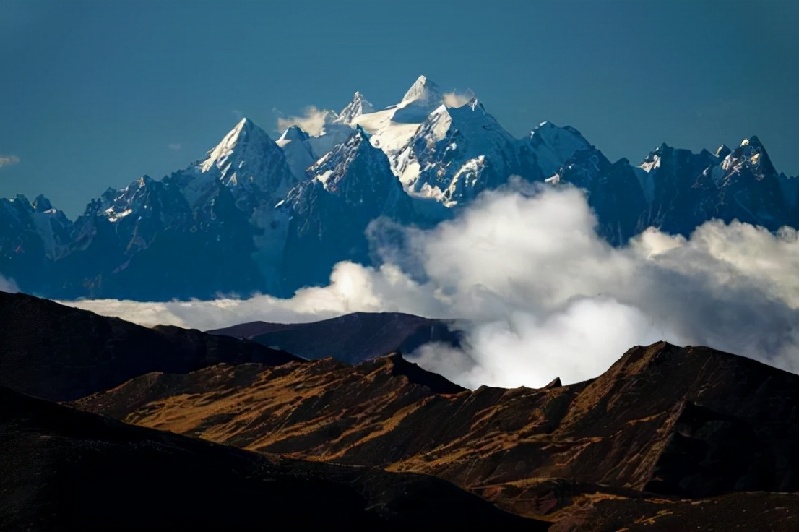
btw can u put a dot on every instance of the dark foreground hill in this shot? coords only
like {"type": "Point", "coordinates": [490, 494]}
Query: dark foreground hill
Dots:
{"type": "Point", "coordinates": [62, 353]}
{"type": "Point", "coordinates": [350, 338]}
{"type": "Point", "coordinates": [62, 469]}
{"type": "Point", "coordinates": [668, 438]}
{"type": "Point", "coordinates": [684, 423]}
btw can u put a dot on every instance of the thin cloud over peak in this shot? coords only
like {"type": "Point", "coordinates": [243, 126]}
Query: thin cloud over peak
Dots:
{"type": "Point", "coordinates": [458, 99]}
{"type": "Point", "coordinates": [312, 121]}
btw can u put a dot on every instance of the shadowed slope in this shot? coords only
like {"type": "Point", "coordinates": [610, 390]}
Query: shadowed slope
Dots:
{"type": "Point", "coordinates": [684, 421]}
{"type": "Point", "coordinates": [68, 470]}
{"type": "Point", "coordinates": [350, 338]}
{"type": "Point", "coordinates": [62, 353]}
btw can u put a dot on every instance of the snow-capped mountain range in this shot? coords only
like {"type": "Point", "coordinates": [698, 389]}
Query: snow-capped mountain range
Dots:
{"type": "Point", "coordinates": [263, 215]}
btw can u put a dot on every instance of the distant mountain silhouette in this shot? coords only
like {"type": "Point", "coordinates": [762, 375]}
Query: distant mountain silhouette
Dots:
{"type": "Point", "coordinates": [62, 353]}
{"type": "Point", "coordinates": [351, 338]}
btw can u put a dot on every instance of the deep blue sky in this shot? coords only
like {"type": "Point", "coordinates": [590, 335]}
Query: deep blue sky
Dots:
{"type": "Point", "coordinates": [94, 93]}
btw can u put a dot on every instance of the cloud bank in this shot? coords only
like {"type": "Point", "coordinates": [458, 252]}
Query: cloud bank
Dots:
{"type": "Point", "coordinates": [542, 296]}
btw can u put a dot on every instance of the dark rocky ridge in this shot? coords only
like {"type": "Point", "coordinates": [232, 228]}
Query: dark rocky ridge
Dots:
{"type": "Point", "coordinates": [689, 422]}
{"type": "Point", "coordinates": [62, 353]}
{"type": "Point", "coordinates": [667, 436]}
{"type": "Point", "coordinates": [350, 338]}
{"type": "Point", "coordinates": [62, 469]}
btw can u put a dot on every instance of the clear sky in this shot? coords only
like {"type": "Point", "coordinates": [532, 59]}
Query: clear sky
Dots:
{"type": "Point", "coordinates": [96, 93]}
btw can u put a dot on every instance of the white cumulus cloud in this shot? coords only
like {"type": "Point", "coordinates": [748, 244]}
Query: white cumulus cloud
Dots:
{"type": "Point", "coordinates": [542, 296]}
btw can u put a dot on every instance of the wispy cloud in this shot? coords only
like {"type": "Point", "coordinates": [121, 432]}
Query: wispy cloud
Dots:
{"type": "Point", "coordinates": [175, 146]}
{"type": "Point", "coordinates": [312, 121]}
{"type": "Point", "coordinates": [8, 285]}
{"type": "Point", "coordinates": [458, 99]}
{"type": "Point", "coordinates": [8, 160]}
{"type": "Point", "coordinates": [542, 295]}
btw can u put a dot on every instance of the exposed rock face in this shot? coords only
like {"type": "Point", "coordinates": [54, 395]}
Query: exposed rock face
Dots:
{"type": "Point", "coordinates": [692, 422]}
{"type": "Point", "coordinates": [67, 470]}
{"type": "Point", "coordinates": [459, 152]}
{"type": "Point", "coordinates": [329, 214]}
{"type": "Point", "coordinates": [271, 217]}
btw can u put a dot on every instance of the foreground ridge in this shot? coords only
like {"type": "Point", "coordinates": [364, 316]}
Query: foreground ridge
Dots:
{"type": "Point", "coordinates": [69, 470]}
{"type": "Point", "coordinates": [686, 422]}
{"type": "Point", "coordinates": [667, 435]}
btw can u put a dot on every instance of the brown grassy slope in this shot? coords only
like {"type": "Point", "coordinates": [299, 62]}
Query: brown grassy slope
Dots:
{"type": "Point", "coordinates": [62, 469]}
{"type": "Point", "coordinates": [690, 422]}
{"type": "Point", "coordinates": [744, 512]}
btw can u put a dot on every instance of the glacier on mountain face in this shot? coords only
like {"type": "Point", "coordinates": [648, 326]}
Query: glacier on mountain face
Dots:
{"type": "Point", "coordinates": [262, 215]}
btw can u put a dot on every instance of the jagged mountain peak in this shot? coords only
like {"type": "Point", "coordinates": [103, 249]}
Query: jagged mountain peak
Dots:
{"type": "Point", "coordinates": [244, 135]}
{"type": "Point", "coordinates": [443, 147]}
{"type": "Point", "coordinates": [42, 204]}
{"type": "Point", "coordinates": [360, 174]}
{"type": "Point", "coordinates": [22, 199]}
{"type": "Point", "coordinates": [471, 120]}
{"type": "Point", "coordinates": [423, 89]}
{"type": "Point", "coordinates": [245, 124]}
{"type": "Point", "coordinates": [243, 129]}
{"type": "Point", "coordinates": [554, 145]}
{"type": "Point", "coordinates": [752, 141]}
{"type": "Point", "coordinates": [337, 161]}
{"type": "Point", "coordinates": [248, 156]}
{"type": "Point", "coordinates": [420, 100]}
{"type": "Point", "coordinates": [750, 155]}
{"type": "Point", "coordinates": [357, 143]}
{"type": "Point", "coordinates": [357, 107]}
{"type": "Point", "coordinates": [361, 133]}
{"type": "Point", "coordinates": [548, 133]}
{"type": "Point", "coordinates": [291, 133]}
{"type": "Point", "coordinates": [297, 150]}
{"type": "Point", "coordinates": [722, 151]}
{"type": "Point", "coordinates": [456, 152]}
